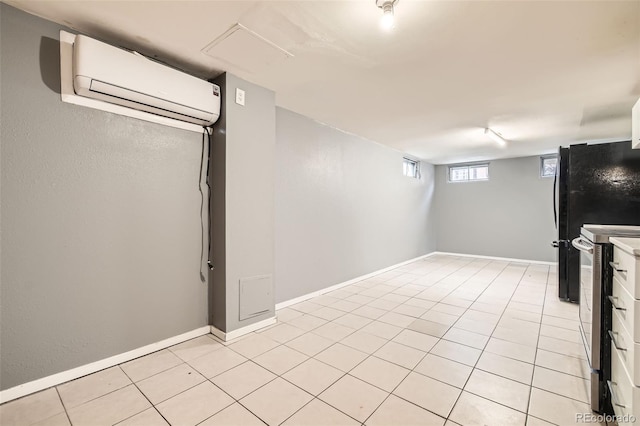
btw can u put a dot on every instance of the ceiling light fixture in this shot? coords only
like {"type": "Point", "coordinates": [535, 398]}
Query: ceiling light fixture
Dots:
{"type": "Point", "coordinates": [497, 138]}
{"type": "Point", "coordinates": [387, 12]}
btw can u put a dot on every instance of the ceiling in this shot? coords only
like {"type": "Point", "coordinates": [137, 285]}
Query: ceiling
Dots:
{"type": "Point", "coordinates": [541, 73]}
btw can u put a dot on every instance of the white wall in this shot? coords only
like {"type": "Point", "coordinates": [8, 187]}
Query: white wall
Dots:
{"type": "Point", "coordinates": [511, 215]}
{"type": "Point", "coordinates": [343, 207]}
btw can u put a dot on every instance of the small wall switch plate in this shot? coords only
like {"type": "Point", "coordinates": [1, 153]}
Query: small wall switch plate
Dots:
{"type": "Point", "coordinates": [240, 96]}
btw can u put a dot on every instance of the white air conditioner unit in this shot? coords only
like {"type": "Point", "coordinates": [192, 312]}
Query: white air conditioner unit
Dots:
{"type": "Point", "coordinates": [110, 74]}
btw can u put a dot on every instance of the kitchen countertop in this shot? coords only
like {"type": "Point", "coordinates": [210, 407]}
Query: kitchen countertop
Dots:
{"type": "Point", "coordinates": [630, 245]}
{"type": "Point", "coordinates": [602, 233]}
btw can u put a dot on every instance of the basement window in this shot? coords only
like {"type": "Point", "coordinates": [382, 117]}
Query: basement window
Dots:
{"type": "Point", "coordinates": [469, 173]}
{"type": "Point", "coordinates": [410, 168]}
{"type": "Point", "coordinates": [548, 164]}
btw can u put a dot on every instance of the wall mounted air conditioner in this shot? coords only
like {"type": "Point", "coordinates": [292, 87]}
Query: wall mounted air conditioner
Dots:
{"type": "Point", "coordinates": [110, 74]}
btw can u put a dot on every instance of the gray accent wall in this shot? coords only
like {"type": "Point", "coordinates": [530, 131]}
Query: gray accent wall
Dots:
{"type": "Point", "coordinates": [510, 215]}
{"type": "Point", "coordinates": [242, 179]}
{"type": "Point", "coordinates": [101, 231]}
{"type": "Point", "coordinates": [343, 207]}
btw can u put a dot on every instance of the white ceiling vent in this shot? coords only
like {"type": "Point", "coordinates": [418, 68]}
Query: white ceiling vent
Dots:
{"type": "Point", "coordinates": [246, 49]}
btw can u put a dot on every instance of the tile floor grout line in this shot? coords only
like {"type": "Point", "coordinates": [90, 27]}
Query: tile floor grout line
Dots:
{"type": "Point", "coordinates": [538, 418]}
{"type": "Point", "coordinates": [488, 340]}
{"type": "Point", "coordinates": [387, 340]}
{"type": "Point", "coordinates": [459, 285]}
{"type": "Point", "coordinates": [433, 284]}
{"type": "Point", "coordinates": [154, 374]}
{"type": "Point", "coordinates": [556, 371]}
{"type": "Point", "coordinates": [401, 381]}
{"type": "Point", "coordinates": [259, 387]}
{"type": "Point", "coordinates": [89, 400]}
{"type": "Point", "coordinates": [291, 368]}
{"type": "Point", "coordinates": [364, 381]}
{"type": "Point", "coordinates": [535, 355]}
{"type": "Point", "coordinates": [560, 371]}
{"type": "Point", "coordinates": [293, 384]}
{"type": "Point", "coordinates": [472, 368]}
{"type": "Point", "coordinates": [391, 339]}
{"type": "Point", "coordinates": [371, 384]}
{"type": "Point", "coordinates": [64, 407]}
{"type": "Point", "coordinates": [332, 383]}
{"type": "Point", "coordinates": [323, 402]}
{"type": "Point", "coordinates": [147, 398]}
{"type": "Point", "coordinates": [564, 396]}
{"type": "Point", "coordinates": [428, 352]}
{"type": "Point", "coordinates": [179, 393]}
{"type": "Point", "coordinates": [224, 371]}
{"type": "Point", "coordinates": [499, 319]}
{"type": "Point", "coordinates": [296, 412]}
{"type": "Point", "coordinates": [318, 397]}
{"type": "Point", "coordinates": [482, 350]}
{"type": "Point", "coordinates": [235, 400]}
{"type": "Point", "coordinates": [377, 319]}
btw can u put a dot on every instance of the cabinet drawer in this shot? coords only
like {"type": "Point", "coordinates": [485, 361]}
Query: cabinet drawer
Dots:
{"type": "Point", "coordinates": [625, 397]}
{"type": "Point", "coordinates": [626, 348]}
{"type": "Point", "coordinates": [628, 308]}
{"type": "Point", "coordinates": [626, 270]}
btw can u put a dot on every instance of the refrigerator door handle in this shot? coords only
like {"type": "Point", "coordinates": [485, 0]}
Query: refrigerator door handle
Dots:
{"type": "Point", "coordinates": [580, 244]}
{"type": "Point", "coordinates": [559, 243]}
{"type": "Point", "coordinates": [555, 207]}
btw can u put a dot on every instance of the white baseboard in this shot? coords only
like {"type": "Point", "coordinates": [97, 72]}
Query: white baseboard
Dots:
{"type": "Point", "coordinates": [346, 283]}
{"type": "Point", "coordinates": [508, 259]}
{"type": "Point", "coordinates": [234, 334]}
{"type": "Point", "coordinates": [65, 376]}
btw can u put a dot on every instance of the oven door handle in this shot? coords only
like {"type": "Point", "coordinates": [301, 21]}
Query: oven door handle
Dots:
{"type": "Point", "coordinates": [579, 243]}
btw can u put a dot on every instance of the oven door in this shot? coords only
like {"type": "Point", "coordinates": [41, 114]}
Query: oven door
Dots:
{"type": "Point", "coordinates": [590, 298]}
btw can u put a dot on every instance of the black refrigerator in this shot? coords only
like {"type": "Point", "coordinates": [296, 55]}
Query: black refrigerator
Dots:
{"type": "Point", "coordinates": [595, 184]}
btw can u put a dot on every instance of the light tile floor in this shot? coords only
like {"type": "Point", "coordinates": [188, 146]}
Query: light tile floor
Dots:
{"type": "Point", "coordinates": [442, 341]}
